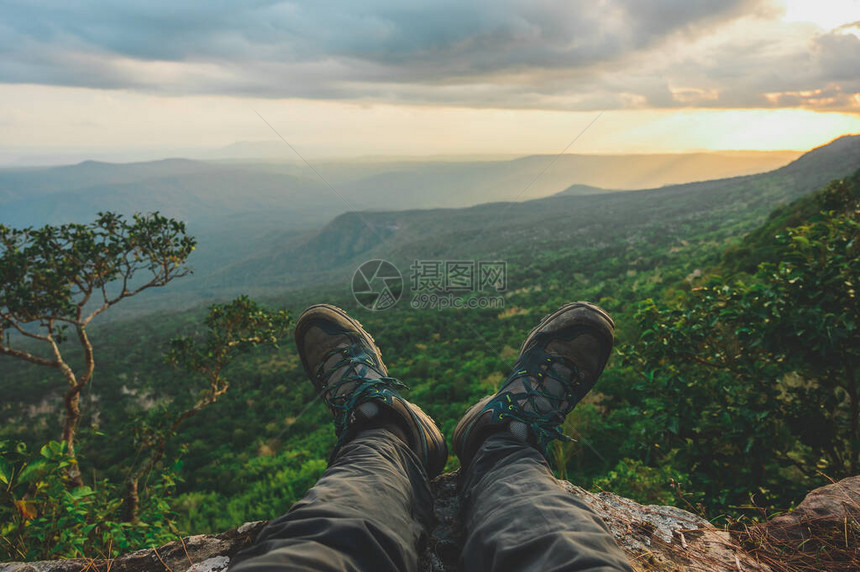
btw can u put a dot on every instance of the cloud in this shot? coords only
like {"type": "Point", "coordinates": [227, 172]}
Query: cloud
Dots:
{"type": "Point", "coordinates": [565, 54]}
{"type": "Point", "coordinates": [773, 65]}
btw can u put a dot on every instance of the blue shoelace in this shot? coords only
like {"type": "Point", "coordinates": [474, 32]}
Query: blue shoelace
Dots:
{"type": "Point", "coordinates": [523, 406]}
{"type": "Point", "coordinates": [341, 404]}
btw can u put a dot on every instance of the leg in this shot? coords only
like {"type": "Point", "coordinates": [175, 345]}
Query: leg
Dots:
{"type": "Point", "coordinates": [369, 511]}
{"type": "Point", "coordinates": [517, 517]}
{"type": "Point", "coordinates": [372, 506]}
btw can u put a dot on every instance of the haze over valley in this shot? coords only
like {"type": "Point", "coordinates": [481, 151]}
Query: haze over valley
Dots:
{"type": "Point", "coordinates": [243, 211]}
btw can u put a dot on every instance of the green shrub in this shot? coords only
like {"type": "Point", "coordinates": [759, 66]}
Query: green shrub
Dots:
{"type": "Point", "coordinates": [43, 517]}
{"type": "Point", "coordinates": [634, 479]}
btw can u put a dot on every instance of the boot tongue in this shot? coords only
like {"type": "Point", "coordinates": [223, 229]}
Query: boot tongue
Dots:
{"type": "Point", "coordinates": [546, 384]}
{"type": "Point", "coordinates": [355, 367]}
{"type": "Point", "coordinates": [558, 366]}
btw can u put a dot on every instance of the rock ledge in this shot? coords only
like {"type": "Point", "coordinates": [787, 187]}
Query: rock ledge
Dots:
{"type": "Point", "coordinates": [654, 537]}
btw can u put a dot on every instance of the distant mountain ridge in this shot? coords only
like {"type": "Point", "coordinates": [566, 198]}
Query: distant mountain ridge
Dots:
{"type": "Point", "coordinates": [266, 227]}
{"type": "Point", "coordinates": [577, 190]}
{"type": "Point", "coordinates": [170, 184]}
{"type": "Point", "coordinates": [503, 229]}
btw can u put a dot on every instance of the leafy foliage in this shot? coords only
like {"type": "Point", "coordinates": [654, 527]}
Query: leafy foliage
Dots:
{"type": "Point", "coordinates": [781, 351]}
{"type": "Point", "coordinates": [41, 517]}
{"type": "Point", "coordinates": [50, 274]}
{"type": "Point", "coordinates": [632, 478]}
{"type": "Point", "coordinates": [233, 329]}
{"type": "Point", "coordinates": [58, 278]}
{"type": "Point", "coordinates": [704, 397]}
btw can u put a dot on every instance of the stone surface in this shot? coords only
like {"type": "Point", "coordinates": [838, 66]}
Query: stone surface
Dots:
{"type": "Point", "coordinates": [666, 537]}
{"type": "Point", "coordinates": [654, 537]}
{"type": "Point", "coordinates": [836, 504]}
{"type": "Point", "coordinates": [822, 533]}
{"type": "Point", "coordinates": [201, 553]}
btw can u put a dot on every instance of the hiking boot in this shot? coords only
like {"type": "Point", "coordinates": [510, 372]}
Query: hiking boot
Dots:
{"type": "Point", "coordinates": [346, 368]}
{"type": "Point", "coordinates": [559, 363]}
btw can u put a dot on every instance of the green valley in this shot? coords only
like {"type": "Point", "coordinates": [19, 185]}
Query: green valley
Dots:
{"type": "Point", "coordinates": [647, 430]}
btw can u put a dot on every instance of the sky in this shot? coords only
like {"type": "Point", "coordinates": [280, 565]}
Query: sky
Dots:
{"type": "Point", "coordinates": [141, 79]}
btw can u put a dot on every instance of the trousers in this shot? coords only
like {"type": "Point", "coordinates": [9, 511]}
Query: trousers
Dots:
{"type": "Point", "coordinates": [372, 509]}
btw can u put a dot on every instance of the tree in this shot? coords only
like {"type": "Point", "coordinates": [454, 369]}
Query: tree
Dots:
{"type": "Point", "coordinates": [811, 315]}
{"type": "Point", "coordinates": [232, 329]}
{"type": "Point", "coordinates": [709, 394]}
{"type": "Point", "coordinates": [56, 279]}
{"type": "Point", "coordinates": [765, 369]}
{"type": "Point", "coordinates": [43, 518]}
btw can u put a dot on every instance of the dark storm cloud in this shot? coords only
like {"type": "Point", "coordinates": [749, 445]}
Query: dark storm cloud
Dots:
{"type": "Point", "coordinates": [512, 53]}
{"type": "Point", "coordinates": [465, 37]}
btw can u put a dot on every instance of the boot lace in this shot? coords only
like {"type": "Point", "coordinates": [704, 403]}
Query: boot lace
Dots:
{"type": "Point", "coordinates": [532, 404]}
{"type": "Point", "coordinates": [342, 399]}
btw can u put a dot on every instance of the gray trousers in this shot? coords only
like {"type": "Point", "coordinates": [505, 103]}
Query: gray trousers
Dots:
{"type": "Point", "coordinates": [372, 508]}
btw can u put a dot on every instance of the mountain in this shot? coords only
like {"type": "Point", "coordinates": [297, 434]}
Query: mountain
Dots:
{"type": "Point", "coordinates": [262, 227]}
{"type": "Point", "coordinates": [229, 209]}
{"type": "Point", "coordinates": [586, 216]}
{"type": "Point", "coordinates": [436, 184]}
{"type": "Point", "coordinates": [577, 190]}
{"type": "Point", "coordinates": [199, 190]}
{"type": "Point", "coordinates": [189, 190]}
{"type": "Point", "coordinates": [266, 440]}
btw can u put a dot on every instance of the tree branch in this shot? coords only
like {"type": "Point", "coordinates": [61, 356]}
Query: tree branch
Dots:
{"type": "Point", "coordinates": [156, 282]}
{"type": "Point", "coordinates": [6, 350]}
{"type": "Point", "coordinates": [89, 362]}
{"type": "Point", "coordinates": [24, 332]}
